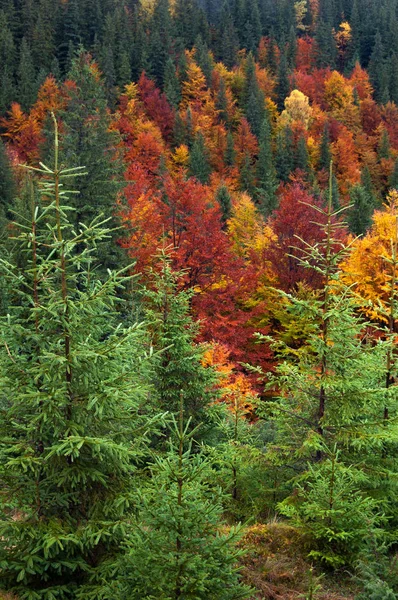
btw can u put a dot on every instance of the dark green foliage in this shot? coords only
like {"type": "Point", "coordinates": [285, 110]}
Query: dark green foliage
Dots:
{"type": "Point", "coordinates": [86, 140]}
{"type": "Point", "coordinates": [73, 400]}
{"type": "Point", "coordinates": [224, 199]}
{"type": "Point", "coordinates": [253, 97]}
{"type": "Point", "coordinates": [360, 214]}
{"type": "Point", "coordinates": [230, 150]}
{"type": "Point", "coordinates": [301, 156]}
{"type": "Point", "coordinates": [7, 186]}
{"type": "Point", "coordinates": [326, 45]}
{"type": "Point", "coordinates": [160, 40]}
{"type": "Point", "coordinates": [172, 87]}
{"type": "Point", "coordinates": [27, 89]}
{"type": "Point", "coordinates": [221, 102]}
{"type": "Point", "coordinates": [283, 84]}
{"type": "Point", "coordinates": [284, 156]}
{"type": "Point", "coordinates": [383, 149]}
{"type": "Point", "coordinates": [174, 548]}
{"type": "Point", "coordinates": [199, 166]}
{"type": "Point", "coordinates": [178, 369]}
{"type": "Point", "coordinates": [203, 58]}
{"type": "Point", "coordinates": [246, 178]}
{"type": "Point", "coordinates": [325, 155]}
{"type": "Point", "coordinates": [266, 175]}
{"type": "Point", "coordinates": [376, 67]}
{"type": "Point", "coordinates": [329, 508]}
{"type": "Point", "coordinates": [394, 176]}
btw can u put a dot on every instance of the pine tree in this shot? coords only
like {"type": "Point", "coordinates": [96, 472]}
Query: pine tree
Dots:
{"type": "Point", "coordinates": [72, 404]}
{"type": "Point", "coordinates": [394, 176]}
{"type": "Point", "coordinates": [376, 67]}
{"type": "Point", "coordinates": [360, 214]}
{"type": "Point", "coordinates": [283, 85]}
{"type": "Point", "coordinates": [178, 368]}
{"type": "Point", "coordinates": [266, 174]}
{"type": "Point", "coordinates": [172, 87]}
{"type": "Point", "coordinates": [331, 390]}
{"type": "Point", "coordinates": [230, 153]}
{"type": "Point", "coordinates": [199, 166]}
{"type": "Point", "coordinates": [224, 199]}
{"type": "Point", "coordinates": [175, 549]}
{"type": "Point", "coordinates": [383, 149]}
{"type": "Point", "coordinates": [253, 97]}
{"type": "Point", "coordinates": [7, 188]}
{"type": "Point", "coordinates": [87, 140]}
{"type": "Point", "coordinates": [284, 158]}
{"type": "Point", "coordinates": [302, 158]}
{"type": "Point", "coordinates": [325, 155]}
{"type": "Point", "coordinates": [27, 90]}
{"type": "Point", "coordinates": [246, 178]}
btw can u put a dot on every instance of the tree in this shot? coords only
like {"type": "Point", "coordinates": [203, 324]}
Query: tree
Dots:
{"type": "Point", "coordinates": [331, 388]}
{"type": "Point", "coordinates": [172, 87]}
{"type": "Point", "coordinates": [27, 89]}
{"type": "Point", "coordinates": [174, 549]}
{"type": "Point", "coordinates": [7, 187]}
{"type": "Point", "coordinates": [178, 368]}
{"type": "Point", "coordinates": [266, 175]}
{"type": "Point", "coordinates": [73, 398]}
{"type": "Point", "coordinates": [360, 215]}
{"type": "Point", "coordinates": [86, 139]}
{"type": "Point", "coordinates": [283, 85]}
{"type": "Point", "coordinates": [224, 199]}
{"type": "Point", "coordinates": [199, 166]}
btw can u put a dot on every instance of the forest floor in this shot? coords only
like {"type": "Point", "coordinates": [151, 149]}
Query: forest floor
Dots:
{"type": "Point", "coordinates": [275, 565]}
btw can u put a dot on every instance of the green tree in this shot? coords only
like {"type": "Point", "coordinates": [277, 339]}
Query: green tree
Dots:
{"type": "Point", "coordinates": [224, 199]}
{"type": "Point", "coordinates": [283, 84]}
{"type": "Point", "coordinates": [253, 97]}
{"type": "Point", "coordinates": [172, 87]}
{"type": "Point", "coordinates": [266, 174]}
{"type": "Point", "coordinates": [178, 369]}
{"type": "Point", "coordinates": [73, 401]}
{"type": "Point", "coordinates": [175, 549]}
{"type": "Point", "coordinates": [27, 89]}
{"type": "Point", "coordinates": [7, 188]}
{"type": "Point", "coordinates": [199, 165]}
{"type": "Point", "coordinates": [87, 140]}
{"type": "Point", "coordinates": [361, 211]}
{"type": "Point", "coordinates": [284, 157]}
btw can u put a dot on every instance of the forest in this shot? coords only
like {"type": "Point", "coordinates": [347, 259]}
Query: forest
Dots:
{"type": "Point", "coordinates": [198, 299]}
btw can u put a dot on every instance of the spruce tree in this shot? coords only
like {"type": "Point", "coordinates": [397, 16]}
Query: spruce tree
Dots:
{"type": "Point", "coordinates": [284, 157]}
{"type": "Point", "coordinates": [266, 174]}
{"type": "Point", "coordinates": [27, 89]}
{"type": "Point", "coordinates": [172, 87]}
{"type": "Point", "coordinates": [283, 84]}
{"type": "Point", "coordinates": [199, 165]}
{"type": "Point", "coordinates": [361, 211]}
{"type": "Point", "coordinates": [72, 404]}
{"type": "Point", "coordinates": [178, 368]}
{"type": "Point", "coordinates": [331, 390]}
{"type": "Point", "coordinates": [224, 199]}
{"type": "Point", "coordinates": [7, 188]}
{"type": "Point", "coordinates": [175, 549]}
{"type": "Point", "coordinates": [86, 140]}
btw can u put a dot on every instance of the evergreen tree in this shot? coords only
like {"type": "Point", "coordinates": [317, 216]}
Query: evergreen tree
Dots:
{"type": "Point", "coordinates": [7, 189]}
{"type": "Point", "coordinates": [199, 166]}
{"type": "Point", "coordinates": [253, 97]}
{"type": "Point", "coordinates": [26, 77]}
{"type": "Point", "coordinates": [224, 199]}
{"type": "Point", "coordinates": [383, 148]}
{"type": "Point", "coordinates": [360, 215]}
{"type": "Point", "coordinates": [230, 153]}
{"type": "Point", "coordinates": [203, 58]}
{"type": "Point", "coordinates": [266, 174]}
{"type": "Point", "coordinates": [325, 155]}
{"type": "Point", "coordinates": [284, 158]}
{"type": "Point", "coordinates": [72, 404]}
{"type": "Point", "coordinates": [87, 140]}
{"type": "Point", "coordinates": [283, 85]}
{"type": "Point", "coordinates": [246, 178]}
{"type": "Point", "coordinates": [331, 392]}
{"type": "Point", "coordinates": [302, 158]}
{"type": "Point", "coordinates": [376, 67]}
{"type": "Point", "coordinates": [175, 549]}
{"type": "Point", "coordinates": [178, 368]}
{"type": "Point", "coordinates": [326, 45]}
{"type": "Point", "coordinates": [160, 40]}
{"type": "Point", "coordinates": [394, 176]}
{"type": "Point", "coordinates": [172, 87]}
{"type": "Point", "coordinates": [222, 103]}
